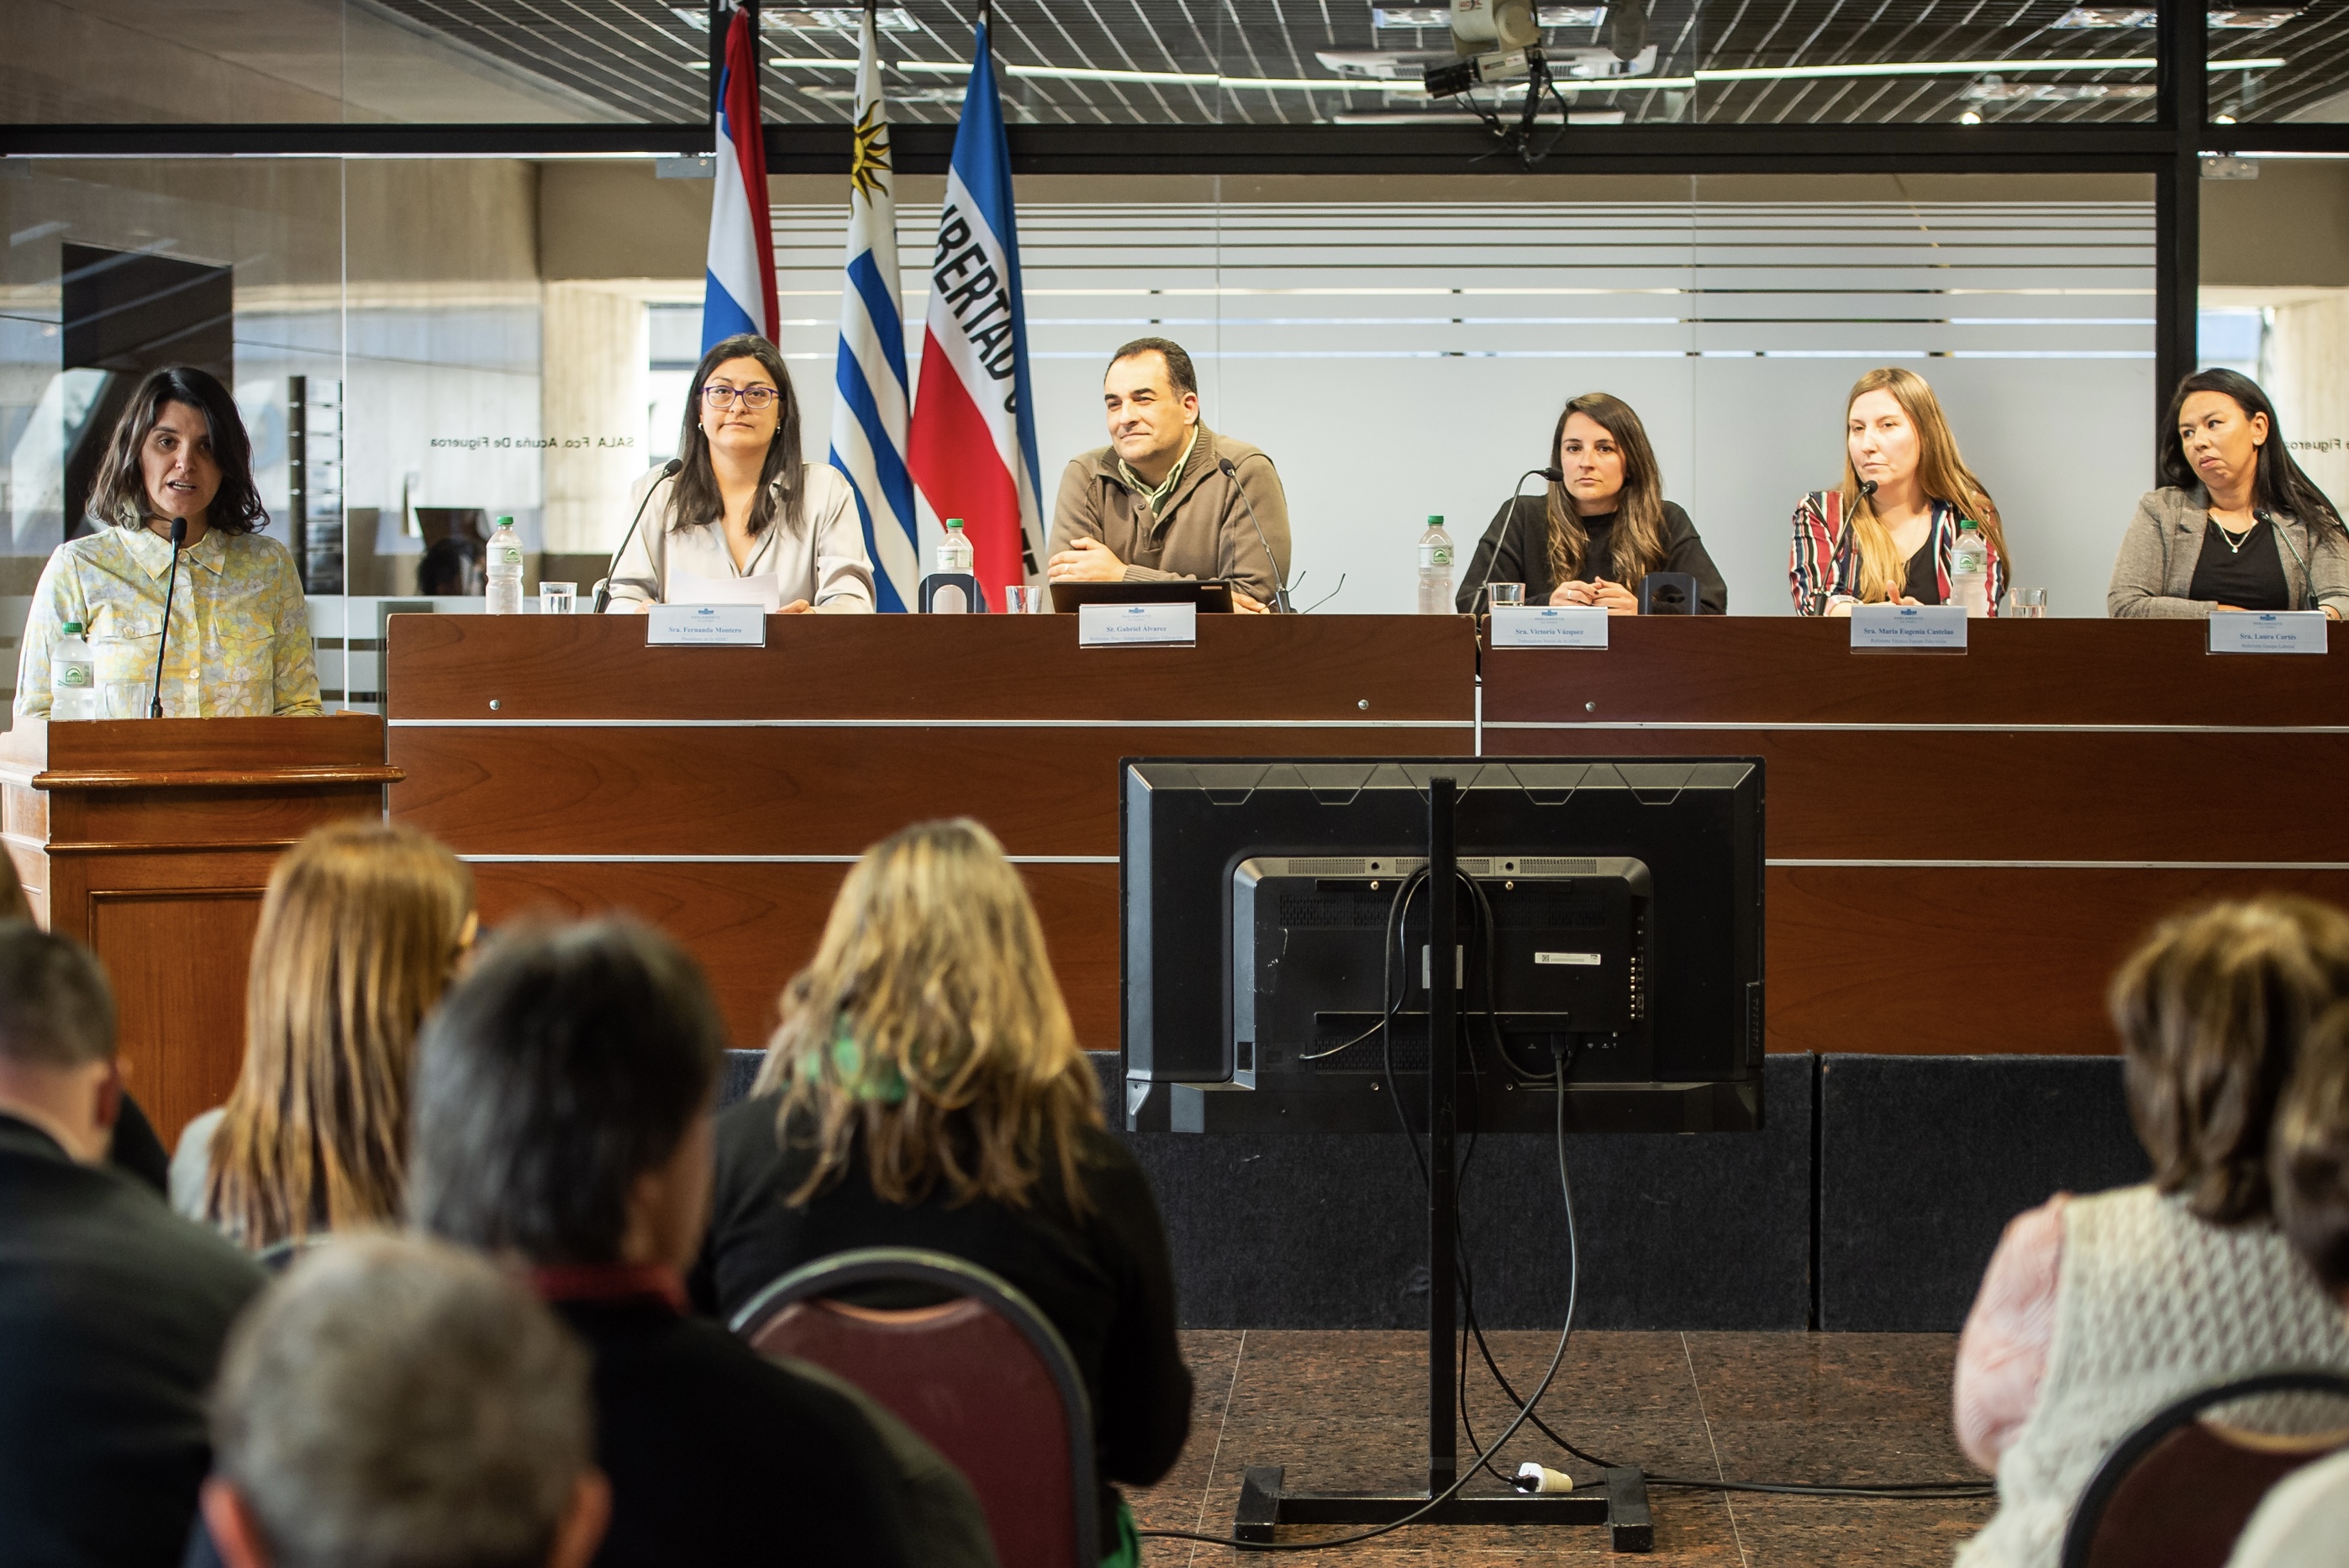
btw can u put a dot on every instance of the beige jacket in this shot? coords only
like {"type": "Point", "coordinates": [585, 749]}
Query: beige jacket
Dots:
{"type": "Point", "coordinates": [2155, 569]}
{"type": "Point", "coordinates": [1204, 530]}
{"type": "Point", "coordinates": [825, 563]}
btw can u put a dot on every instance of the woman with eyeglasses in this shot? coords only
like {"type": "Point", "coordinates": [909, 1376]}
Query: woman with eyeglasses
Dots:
{"type": "Point", "coordinates": [744, 520]}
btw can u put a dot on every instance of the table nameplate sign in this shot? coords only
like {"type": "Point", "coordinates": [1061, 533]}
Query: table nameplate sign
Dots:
{"type": "Point", "coordinates": [1908, 628]}
{"type": "Point", "coordinates": [1137, 625]}
{"type": "Point", "coordinates": [1549, 626]}
{"type": "Point", "coordinates": [2267, 632]}
{"type": "Point", "coordinates": [706, 625]}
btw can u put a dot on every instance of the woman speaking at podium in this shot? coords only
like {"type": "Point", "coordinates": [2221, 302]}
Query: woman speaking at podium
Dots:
{"type": "Point", "coordinates": [739, 519]}
{"type": "Point", "coordinates": [1885, 536]}
{"type": "Point", "coordinates": [1604, 525]}
{"type": "Point", "coordinates": [240, 627]}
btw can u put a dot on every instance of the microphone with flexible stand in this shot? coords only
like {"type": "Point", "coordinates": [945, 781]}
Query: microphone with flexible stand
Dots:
{"type": "Point", "coordinates": [2307, 577]}
{"type": "Point", "coordinates": [1555, 477]}
{"type": "Point", "coordinates": [170, 585]}
{"type": "Point", "coordinates": [670, 470]}
{"type": "Point", "coordinates": [1280, 588]}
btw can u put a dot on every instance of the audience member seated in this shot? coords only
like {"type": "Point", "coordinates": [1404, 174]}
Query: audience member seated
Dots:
{"type": "Point", "coordinates": [395, 1403]}
{"type": "Point", "coordinates": [112, 1308]}
{"type": "Point", "coordinates": [363, 928]}
{"type": "Point", "coordinates": [2306, 1519]}
{"type": "Point", "coordinates": [563, 1119]}
{"type": "Point", "coordinates": [2098, 1310]}
{"type": "Point", "coordinates": [926, 1090]}
{"type": "Point", "coordinates": [134, 1149]}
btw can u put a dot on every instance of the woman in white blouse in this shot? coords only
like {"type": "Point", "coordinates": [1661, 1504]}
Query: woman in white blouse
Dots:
{"type": "Point", "coordinates": [744, 520]}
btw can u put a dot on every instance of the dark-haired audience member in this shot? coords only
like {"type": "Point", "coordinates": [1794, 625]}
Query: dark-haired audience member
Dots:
{"type": "Point", "coordinates": [563, 1119]}
{"type": "Point", "coordinates": [2236, 525]}
{"type": "Point", "coordinates": [397, 1403]}
{"type": "Point", "coordinates": [362, 930]}
{"type": "Point", "coordinates": [2304, 1521]}
{"type": "Point", "coordinates": [240, 642]}
{"type": "Point", "coordinates": [134, 1148]}
{"type": "Point", "coordinates": [926, 1090]}
{"type": "Point", "coordinates": [112, 1308]}
{"type": "Point", "coordinates": [2098, 1310]}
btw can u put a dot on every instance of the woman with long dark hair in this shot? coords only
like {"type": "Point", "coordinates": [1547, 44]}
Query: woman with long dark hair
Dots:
{"type": "Point", "coordinates": [2235, 525]}
{"type": "Point", "coordinates": [1603, 525]}
{"type": "Point", "coordinates": [240, 625]}
{"type": "Point", "coordinates": [745, 520]}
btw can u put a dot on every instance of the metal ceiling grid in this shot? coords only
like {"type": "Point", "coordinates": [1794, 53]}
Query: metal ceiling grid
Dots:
{"type": "Point", "coordinates": [648, 59]}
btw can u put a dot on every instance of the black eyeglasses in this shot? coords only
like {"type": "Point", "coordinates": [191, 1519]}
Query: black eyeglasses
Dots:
{"type": "Point", "coordinates": [718, 395]}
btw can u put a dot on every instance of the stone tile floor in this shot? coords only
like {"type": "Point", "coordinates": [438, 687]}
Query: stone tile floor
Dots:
{"type": "Point", "coordinates": [1346, 1411]}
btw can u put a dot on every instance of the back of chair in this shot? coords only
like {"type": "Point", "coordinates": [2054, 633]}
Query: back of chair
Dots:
{"type": "Point", "coordinates": [985, 1379]}
{"type": "Point", "coordinates": [2177, 1491]}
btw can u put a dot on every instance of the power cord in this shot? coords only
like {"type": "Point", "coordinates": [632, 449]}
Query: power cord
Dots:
{"type": "Point", "coordinates": [1565, 1333]}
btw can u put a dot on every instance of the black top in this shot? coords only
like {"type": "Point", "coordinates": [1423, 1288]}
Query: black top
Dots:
{"type": "Point", "coordinates": [2250, 578]}
{"type": "Point", "coordinates": [113, 1311]}
{"type": "Point", "coordinates": [1515, 549]}
{"type": "Point", "coordinates": [717, 1455]}
{"type": "Point", "coordinates": [1923, 583]}
{"type": "Point", "coordinates": [1104, 1280]}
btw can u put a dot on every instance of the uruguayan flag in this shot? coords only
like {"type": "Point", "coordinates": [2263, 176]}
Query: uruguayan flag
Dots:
{"type": "Point", "coordinates": [868, 413]}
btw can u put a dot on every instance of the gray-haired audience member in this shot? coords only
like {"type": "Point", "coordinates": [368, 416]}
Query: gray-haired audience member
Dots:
{"type": "Point", "coordinates": [2306, 1519]}
{"type": "Point", "coordinates": [562, 1117]}
{"type": "Point", "coordinates": [112, 1308]}
{"type": "Point", "coordinates": [395, 1402]}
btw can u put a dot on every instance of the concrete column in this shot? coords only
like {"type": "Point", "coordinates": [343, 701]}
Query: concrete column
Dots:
{"type": "Point", "coordinates": [593, 399]}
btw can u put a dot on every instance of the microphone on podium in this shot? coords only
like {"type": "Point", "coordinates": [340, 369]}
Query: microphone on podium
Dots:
{"type": "Point", "coordinates": [179, 538]}
{"type": "Point", "coordinates": [670, 470]}
{"type": "Point", "coordinates": [1554, 476]}
{"type": "Point", "coordinates": [1280, 588]}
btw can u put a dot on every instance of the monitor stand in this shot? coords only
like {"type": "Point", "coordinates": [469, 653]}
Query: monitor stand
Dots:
{"type": "Point", "coordinates": [1265, 1500]}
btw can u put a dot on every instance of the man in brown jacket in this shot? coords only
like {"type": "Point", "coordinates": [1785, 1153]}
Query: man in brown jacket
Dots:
{"type": "Point", "coordinates": [1169, 499]}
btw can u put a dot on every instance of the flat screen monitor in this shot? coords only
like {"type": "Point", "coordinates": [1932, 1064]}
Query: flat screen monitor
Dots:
{"type": "Point", "coordinates": [1276, 961]}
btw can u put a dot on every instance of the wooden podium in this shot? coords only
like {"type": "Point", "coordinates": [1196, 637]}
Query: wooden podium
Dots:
{"type": "Point", "coordinates": [151, 840]}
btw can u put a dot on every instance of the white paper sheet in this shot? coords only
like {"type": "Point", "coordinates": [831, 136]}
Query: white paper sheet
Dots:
{"type": "Point", "coordinates": [686, 588]}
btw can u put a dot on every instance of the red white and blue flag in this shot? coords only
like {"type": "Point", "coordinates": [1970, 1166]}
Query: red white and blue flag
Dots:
{"type": "Point", "coordinates": [740, 294]}
{"type": "Point", "coordinates": [972, 445]}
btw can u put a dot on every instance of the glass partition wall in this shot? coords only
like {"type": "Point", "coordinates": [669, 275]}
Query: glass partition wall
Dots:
{"type": "Point", "coordinates": [437, 315]}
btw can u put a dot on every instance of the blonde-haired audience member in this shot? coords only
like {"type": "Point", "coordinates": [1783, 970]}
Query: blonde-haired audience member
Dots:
{"type": "Point", "coordinates": [926, 1090]}
{"type": "Point", "coordinates": [363, 928]}
{"type": "Point", "coordinates": [2096, 1311]}
{"type": "Point", "coordinates": [2306, 1519]}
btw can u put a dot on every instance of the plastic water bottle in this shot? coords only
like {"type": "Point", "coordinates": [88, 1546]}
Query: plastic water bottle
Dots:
{"type": "Point", "coordinates": [73, 683]}
{"type": "Point", "coordinates": [1435, 569]}
{"type": "Point", "coordinates": [954, 553]}
{"type": "Point", "coordinates": [1970, 569]}
{"type": "Point", "coordinates": [505, 570]}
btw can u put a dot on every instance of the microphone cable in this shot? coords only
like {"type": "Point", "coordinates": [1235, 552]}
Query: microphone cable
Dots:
{"type": "Point", "coordinates": [164, 642]}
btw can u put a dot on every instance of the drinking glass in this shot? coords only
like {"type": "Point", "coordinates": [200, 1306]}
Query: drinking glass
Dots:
{"type": "Point", "coordinates": [126, 700]}
{"type": "Point", "coordinates": [2029, 605]}
{"type": "Point", "coordinates": [557, 598]}
{"type": "Point", "coordinates": [1505, 595]}
{"type": "Point", "coordinates": [1023, 601]}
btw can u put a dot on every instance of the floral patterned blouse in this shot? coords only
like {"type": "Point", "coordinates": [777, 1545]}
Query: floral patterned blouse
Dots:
{"type": "Point", "coordinates": [239, 644]}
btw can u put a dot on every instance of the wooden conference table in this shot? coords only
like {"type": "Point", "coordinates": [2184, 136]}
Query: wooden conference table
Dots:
{"type": "Point", "coordinates": [1962, 847]}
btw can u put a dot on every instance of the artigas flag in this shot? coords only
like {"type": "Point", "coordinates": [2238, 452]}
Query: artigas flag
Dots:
{"type": "Point", "coordinates": [972, 446]}
{"type": "Point", "coordinates": [868, 408]}
{"type": "Point", "coordinates": [740, 294]}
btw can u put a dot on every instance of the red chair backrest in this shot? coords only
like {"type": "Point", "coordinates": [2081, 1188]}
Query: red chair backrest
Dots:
{"type": "Point", "coordinates": [2185, 1502]}
{"type": "Point", "coordinates": [972, 1385]}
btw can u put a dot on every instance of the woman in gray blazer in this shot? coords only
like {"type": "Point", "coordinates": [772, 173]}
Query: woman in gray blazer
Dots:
{"type": "Point", "coordinates": [2238, 526]}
